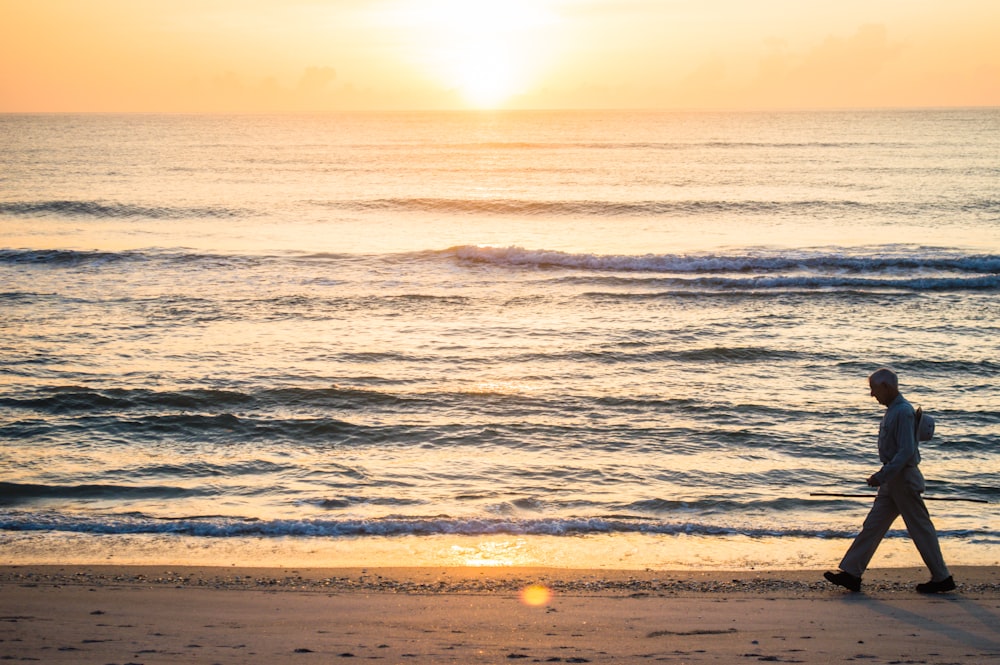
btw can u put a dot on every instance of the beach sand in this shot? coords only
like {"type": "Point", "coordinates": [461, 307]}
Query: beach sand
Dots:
{"type": "Point", "coordinates": [157, 614]}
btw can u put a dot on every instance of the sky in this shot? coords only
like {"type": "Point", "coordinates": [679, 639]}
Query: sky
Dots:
{"type": "Point", "coordinates": [337, 55]}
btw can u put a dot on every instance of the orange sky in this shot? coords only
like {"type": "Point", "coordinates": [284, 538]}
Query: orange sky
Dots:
{"type": "Point", "coordinates": [313, 55]}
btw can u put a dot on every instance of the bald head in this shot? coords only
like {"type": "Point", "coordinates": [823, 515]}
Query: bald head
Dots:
{"type": "Point", "coordinates": [884, 385]}
{"type": "Point", "coordinates": [884, 377]}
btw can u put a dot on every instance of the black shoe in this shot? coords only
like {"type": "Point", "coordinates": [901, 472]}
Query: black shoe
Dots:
{"type": "Point", "coordinates": [947, 584]}
{"type": "Point", "coordinates": [846, 580]}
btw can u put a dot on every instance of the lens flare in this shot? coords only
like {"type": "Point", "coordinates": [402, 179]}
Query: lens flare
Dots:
{"type": "Point", "coordinates": [536, 595]}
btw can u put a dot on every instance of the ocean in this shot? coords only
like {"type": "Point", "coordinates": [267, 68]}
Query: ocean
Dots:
{"type": "Point", "coordinates": [570, 339]}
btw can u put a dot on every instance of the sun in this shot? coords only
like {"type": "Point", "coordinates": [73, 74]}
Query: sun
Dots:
{"type": "Point", "coordinates": [486, 50]}
{"type": "Point", "coordinates": [486, 73]}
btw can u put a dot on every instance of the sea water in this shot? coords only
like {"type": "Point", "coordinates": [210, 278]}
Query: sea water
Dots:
{"type": "Point", "coordinates": [561, 339]}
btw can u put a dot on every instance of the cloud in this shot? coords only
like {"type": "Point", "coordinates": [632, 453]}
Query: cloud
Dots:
{"type": "Point", "coordinates": [316, 79]}
{"type": "Point", "coordinates": [230, 91]}
{"type": "Point", "coordinates": [837, 72]}
{"type": "Point", "coordinates": [228, 83]}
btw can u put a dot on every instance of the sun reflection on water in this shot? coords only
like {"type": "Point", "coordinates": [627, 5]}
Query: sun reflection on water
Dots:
{"type": "Point", "coordinates": [489, 553]}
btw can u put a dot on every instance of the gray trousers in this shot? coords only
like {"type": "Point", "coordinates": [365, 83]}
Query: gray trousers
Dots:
{"type": "Point", "coordinates": [901, 496]}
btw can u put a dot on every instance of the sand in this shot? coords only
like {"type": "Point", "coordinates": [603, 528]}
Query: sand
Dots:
{"type": "Point", "coordinates": [157, 614]}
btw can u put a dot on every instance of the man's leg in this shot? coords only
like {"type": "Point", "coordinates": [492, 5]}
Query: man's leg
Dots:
{"type": "Point", "coordinates": [921, 530]}
{"type": "Point", "coordinates": [861, 551]}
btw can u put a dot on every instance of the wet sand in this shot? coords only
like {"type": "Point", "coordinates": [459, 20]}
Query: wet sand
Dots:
{"type": "Point", "coordinates": [162, 614]}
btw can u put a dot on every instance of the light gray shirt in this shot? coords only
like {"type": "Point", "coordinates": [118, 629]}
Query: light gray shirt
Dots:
{"type": "Point", "coordinates": [897, 440]}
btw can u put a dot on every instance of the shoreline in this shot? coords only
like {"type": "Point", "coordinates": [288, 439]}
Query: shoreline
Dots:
{"type": "Point", "coordinates": [612, 551]}
{"type": "Point", "coordinates": [185, 614]}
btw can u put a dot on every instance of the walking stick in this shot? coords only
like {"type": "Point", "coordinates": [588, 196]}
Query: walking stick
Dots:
{"type": "Point", "coordinates": [871, 496]}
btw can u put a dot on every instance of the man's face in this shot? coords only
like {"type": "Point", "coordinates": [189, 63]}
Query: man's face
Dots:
{"type": "Point", "coordinates": [881, 392]}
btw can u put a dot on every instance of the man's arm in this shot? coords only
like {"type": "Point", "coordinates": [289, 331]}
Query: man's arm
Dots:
{"type": "Point", "coordinates": [906, 448]}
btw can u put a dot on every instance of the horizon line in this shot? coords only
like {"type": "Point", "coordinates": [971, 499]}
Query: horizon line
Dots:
{"type": "Point", "coordinates": [693, 109]}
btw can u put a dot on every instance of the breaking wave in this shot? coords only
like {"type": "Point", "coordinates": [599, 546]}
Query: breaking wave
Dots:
{"type": "Point", "coordinates": [229, 527]}
{"type": "Point", "coordinates": [891, 260]}
{"type": "Point", "coordinates": [104, 209]}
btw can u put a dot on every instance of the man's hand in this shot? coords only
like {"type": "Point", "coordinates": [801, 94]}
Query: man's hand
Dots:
{"type": "Point", "coordinates": [873, 481]}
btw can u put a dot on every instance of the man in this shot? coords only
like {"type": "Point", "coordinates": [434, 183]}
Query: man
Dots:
{"type": "Point", "coordinates": [900, 484]}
